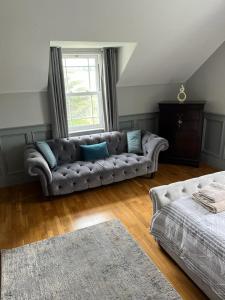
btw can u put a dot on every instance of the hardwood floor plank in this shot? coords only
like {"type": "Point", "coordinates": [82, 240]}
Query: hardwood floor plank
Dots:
{"type": "Point", "coordinates": [26, 216]}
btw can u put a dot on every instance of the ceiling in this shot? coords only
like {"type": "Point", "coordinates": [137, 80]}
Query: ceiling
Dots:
{"type": "Point", "coordinates": [173, 38]}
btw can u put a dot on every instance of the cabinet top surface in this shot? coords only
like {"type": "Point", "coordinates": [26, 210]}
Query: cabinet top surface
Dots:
{"type": "Point", "coordinates": [184, 103]}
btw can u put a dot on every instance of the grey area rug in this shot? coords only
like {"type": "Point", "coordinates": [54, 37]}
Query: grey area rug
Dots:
{"type": "Point", "coordinates": [98, 262]}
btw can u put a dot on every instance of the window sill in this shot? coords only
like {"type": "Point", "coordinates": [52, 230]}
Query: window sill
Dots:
{"type": "Point", "coordinates": [86, 132]}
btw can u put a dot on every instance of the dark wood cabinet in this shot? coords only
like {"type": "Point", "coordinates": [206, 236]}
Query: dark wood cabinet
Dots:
{"type": "Point", "coordinates": [181, 125]}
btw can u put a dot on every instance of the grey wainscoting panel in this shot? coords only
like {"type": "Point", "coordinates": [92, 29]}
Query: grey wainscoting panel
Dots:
{"type": "Point", "coordinates": [213, 142]}
{"type": "Point", "coordinates": [12, 142]}
{"type": "Point", "coordinates": [40, 134]}
{"type": "Point", "coordinates": [148, 121]}
{"type": "Point", "coordinates": [12, 149]}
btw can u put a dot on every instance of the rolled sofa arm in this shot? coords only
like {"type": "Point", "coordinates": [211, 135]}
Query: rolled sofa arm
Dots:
{"type": "Point", "coordinates": [36, 165]}
{"type": "Point", "coordinates": [152, 144]}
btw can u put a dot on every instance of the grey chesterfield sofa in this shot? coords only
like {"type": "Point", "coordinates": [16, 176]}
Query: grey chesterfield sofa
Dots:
{"type": "Point", "coordinates": [72, 174]}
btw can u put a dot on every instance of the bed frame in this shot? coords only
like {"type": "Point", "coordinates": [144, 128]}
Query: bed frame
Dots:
{"type": "Point", "coordinates": [166, 194]}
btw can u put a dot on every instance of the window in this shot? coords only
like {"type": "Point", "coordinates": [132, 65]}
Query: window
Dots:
{"type": "Point", "coordinates": [83, 94]}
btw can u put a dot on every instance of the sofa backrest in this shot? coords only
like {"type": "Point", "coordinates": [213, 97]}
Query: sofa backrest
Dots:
{"type": "Point", "coordinates": [68, 150]}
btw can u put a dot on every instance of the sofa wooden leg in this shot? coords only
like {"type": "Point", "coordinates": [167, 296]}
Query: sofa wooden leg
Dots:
{"type": "Point", "coordinates": [152, 175]}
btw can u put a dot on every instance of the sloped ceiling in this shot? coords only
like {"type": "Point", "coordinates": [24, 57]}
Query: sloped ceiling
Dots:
{"type": "Point", "coordinates": [173, 37]}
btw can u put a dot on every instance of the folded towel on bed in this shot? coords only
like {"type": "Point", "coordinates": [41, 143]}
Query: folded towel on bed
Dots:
{"type": "Point", "coordinates": [214, 192]}
{"type": "Point", "coordinates": [214, 207]}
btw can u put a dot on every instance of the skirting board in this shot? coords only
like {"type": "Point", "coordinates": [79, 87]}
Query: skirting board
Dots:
{"type": "Point", "coordinates": [13, 140]}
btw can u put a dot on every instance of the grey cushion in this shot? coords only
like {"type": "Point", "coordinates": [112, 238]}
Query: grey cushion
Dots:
{"type": "Point", "coordinates": [46, 151]}
{"type": "Point", "coordinates": [72, 174]}
{"type": "Point", "coordinates": [68, 150]}
{"type": "Point", "coordinates": [134, 141]}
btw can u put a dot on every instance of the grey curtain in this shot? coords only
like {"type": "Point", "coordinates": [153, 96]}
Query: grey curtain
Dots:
{"type": "Point", "coordinates": [109, 77]}
{"type": "Point", "coordinates": [56, 92]}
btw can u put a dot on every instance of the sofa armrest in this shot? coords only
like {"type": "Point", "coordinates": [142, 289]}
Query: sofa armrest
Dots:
{"type": "Point", "coordinates": [152, 144]}
{"type": "Point", "coordinates": [165, 194]}
{"type": "Point", "coordinates": [35, 163]}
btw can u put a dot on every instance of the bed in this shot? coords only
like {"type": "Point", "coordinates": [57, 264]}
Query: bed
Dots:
{"type": "Point", "coordinates": [192, 236]}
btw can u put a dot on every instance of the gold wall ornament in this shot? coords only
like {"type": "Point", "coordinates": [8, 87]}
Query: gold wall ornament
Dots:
{"type": "Point", "coordinates": [181, 97]}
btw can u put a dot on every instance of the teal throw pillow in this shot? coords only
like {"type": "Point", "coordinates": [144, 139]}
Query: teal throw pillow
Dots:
{"type": "Point", "coordinates": [134, 141]}
{"type": "Point", "coordinates": [94, 151]}
{"type": "Point", "coordinates": [46, 151]}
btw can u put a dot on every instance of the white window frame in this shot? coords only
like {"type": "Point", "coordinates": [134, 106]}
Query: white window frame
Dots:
{"type": "Point", "coordinates": [96, 54]}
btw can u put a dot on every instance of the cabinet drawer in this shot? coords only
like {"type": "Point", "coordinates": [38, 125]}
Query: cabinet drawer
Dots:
{"type": "Point", "coordinates": [188, 115]}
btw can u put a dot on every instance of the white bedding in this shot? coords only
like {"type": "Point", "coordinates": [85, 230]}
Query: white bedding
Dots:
{"type": "Point", "coordinates": [197, 237]}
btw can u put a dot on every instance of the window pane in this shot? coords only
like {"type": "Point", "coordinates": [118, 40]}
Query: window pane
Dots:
{"type": "Point", "coordinates": [76, 62]}
{"type": "Point", "coordinates": [95, 106]}
{"type": "Point", "coordinates": [80, 106]}
{"type": "Point", "coordinates": [92, 62]}
{"type": "Point", "coordinates": [82, 87]}
{"type": "Point", "coordinates": [77, 79]}
{"type": "Point", "coordinates": [64, 62]}
{"type": "Point", "coordinates": [83, 111]}
{"type": "Point", "coordinates": [93, 83]}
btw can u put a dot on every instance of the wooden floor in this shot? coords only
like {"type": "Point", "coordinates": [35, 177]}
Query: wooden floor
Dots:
{"type": "Point", "coordinates": [26, 216]}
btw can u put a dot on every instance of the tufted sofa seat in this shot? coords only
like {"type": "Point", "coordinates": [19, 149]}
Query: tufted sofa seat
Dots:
{"type": "Point", "coordinates": [72, 174]}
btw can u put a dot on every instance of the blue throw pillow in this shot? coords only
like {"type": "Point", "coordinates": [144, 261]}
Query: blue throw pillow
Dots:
{"type": "Point", "coordinates": [134, 141]}
{"type": "Point", "coordinates": [95, 151]}
{"type": "Point", "coordinates": [46, 151]}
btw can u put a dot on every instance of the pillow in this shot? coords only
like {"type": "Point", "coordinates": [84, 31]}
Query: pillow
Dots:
{"type": "Point", "coordinates": [95, 151]}
{"type": "Point", "coordinates": [46, 151]}
{"type": "Point", "coordinates": [134, 141]}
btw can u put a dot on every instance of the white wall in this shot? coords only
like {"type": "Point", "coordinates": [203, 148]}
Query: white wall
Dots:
{"type": "Point", "coordinates": [144, 99]}
{"type": "Point", "coordinates": [27, 109]}
{"type": "Point", "coordinates": [173, 37]}
{"type": "Point", "coordinates": [208, 83]}
{"type": "Point", "coordinates": [172, 41]}
{"type": "Point", "coordinates": [124, 55]}
{"type": "Point", "coordinates": [24, 109]}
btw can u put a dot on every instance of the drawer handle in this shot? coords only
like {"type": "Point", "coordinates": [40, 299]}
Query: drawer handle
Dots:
{"type": "Point", "coordinates": [179, 122]}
